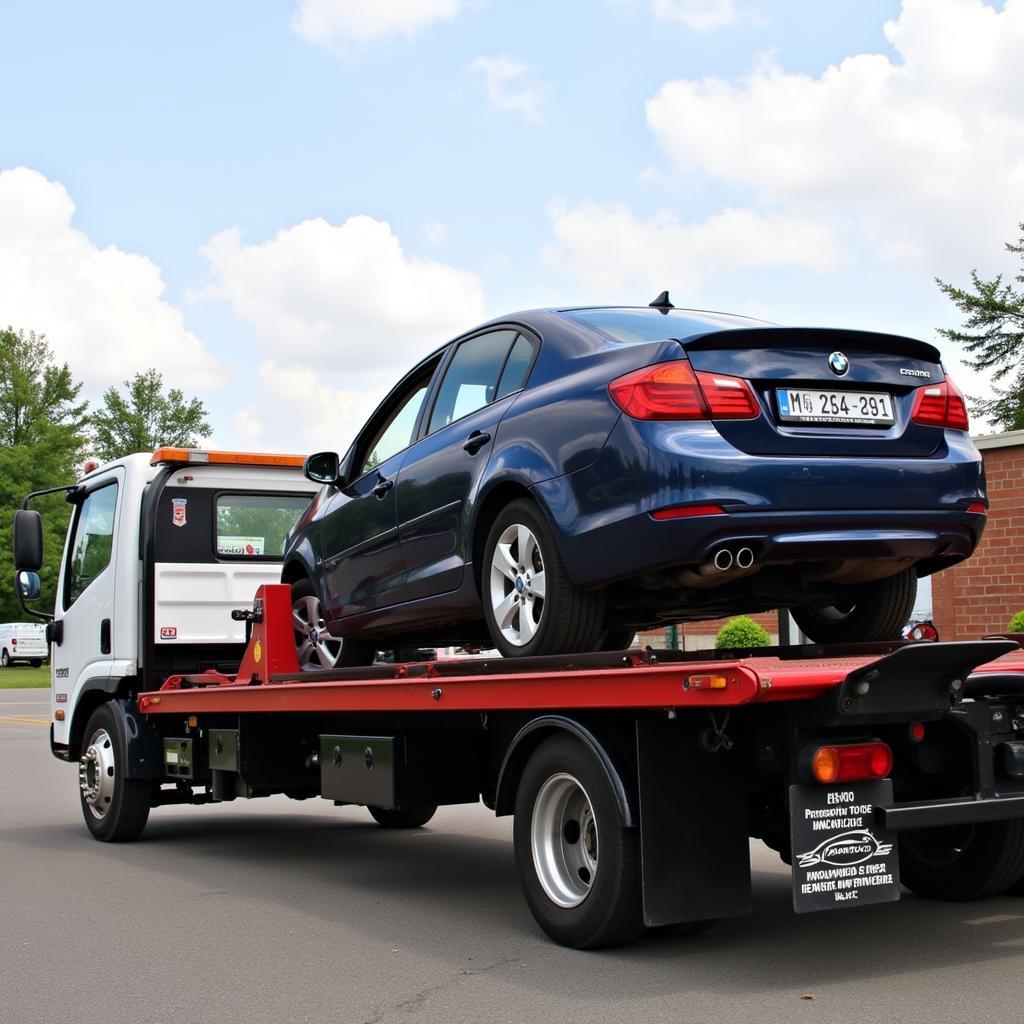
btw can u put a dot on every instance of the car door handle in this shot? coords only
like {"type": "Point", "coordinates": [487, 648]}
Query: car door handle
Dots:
{"type": "Point", "coordinates": [476, 441]}
{"type": "Point", "coordinates": [382, 487]}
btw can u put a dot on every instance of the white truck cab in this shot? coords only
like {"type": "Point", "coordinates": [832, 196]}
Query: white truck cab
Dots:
{"type": "Point", "coordinates": [160, 550]}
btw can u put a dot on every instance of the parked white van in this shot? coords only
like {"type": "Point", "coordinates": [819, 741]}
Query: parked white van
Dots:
{"type": "Point", "coordinates": [22, 641]}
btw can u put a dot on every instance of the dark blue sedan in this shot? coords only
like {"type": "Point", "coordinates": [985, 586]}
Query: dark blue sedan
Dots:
{"type": "Point", "coordinates": [555, 480]}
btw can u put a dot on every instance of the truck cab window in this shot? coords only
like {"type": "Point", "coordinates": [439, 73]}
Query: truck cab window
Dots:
{"type": "Point", "coordinates": [255, 525]}
{"type": "Point", "coordinates": [91, 545]}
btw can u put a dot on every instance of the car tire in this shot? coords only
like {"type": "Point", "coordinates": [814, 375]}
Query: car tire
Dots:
{"type": "Point", "coordinates": [867, 612]}
{"type": "Point", "coordinates": [579, 867]}
{"type": "Point", "coordinates": [325, 652]}
{"type": "Point", "coordinates": [526, 619]}
{"type": "Point", "coordinates": [115, 808]}
{"type": "Point", "coordinates": [404, 817]}
{"type": "Point", "coordinates": [963, 862]}
{"type": "Point", "coordinates": [616, 640]}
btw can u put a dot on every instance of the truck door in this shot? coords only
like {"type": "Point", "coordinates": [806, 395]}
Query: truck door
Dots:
{"type": "Point", "coordinates": [85, 595]}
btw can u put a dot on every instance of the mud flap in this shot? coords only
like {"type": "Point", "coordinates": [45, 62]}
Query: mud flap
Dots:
{"type": "Point", "coordinates": [841, 857]}
{"type": "Point", "coordinates": [693, 826]}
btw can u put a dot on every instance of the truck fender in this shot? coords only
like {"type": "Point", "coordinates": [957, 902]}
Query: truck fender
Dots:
{"type": "Point", "coordinates": [531, 735]}
{"type": "Point", "coordinates": [144, 754]}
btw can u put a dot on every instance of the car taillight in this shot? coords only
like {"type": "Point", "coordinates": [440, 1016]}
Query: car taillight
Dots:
{"type": "Point", "coordinates": [674, 391]}
{"type": "Point", "coordinates": [851, 762]}
{"type": "Point", "coordinates": [940, 405]}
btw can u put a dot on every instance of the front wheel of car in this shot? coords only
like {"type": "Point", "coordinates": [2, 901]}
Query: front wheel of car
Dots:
{"type": "Point", "coordinates": [530, 604]}
{"type": "Point", "coordinates": [863, 613]}
{"type": "Point", "coordinates": [315, 647]}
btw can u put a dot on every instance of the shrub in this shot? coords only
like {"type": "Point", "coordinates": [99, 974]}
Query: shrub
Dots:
{"type": "Point", "coordinates": [1017, 623]}
{"type": "Point", "coordinates": [742, 632]}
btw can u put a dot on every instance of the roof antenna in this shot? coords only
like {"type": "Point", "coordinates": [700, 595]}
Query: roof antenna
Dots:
{"type": "Point", "coordinates": [662, 303]}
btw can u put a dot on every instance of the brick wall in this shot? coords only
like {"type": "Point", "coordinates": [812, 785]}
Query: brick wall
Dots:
{"type": "Point", "coordinates": [980, 595]}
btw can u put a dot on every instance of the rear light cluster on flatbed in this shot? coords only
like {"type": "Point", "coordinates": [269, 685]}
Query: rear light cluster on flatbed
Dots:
{"type": "Point", "coordinates": [675, 391]}
{"type": "Point", "coordinates": [850, 762]}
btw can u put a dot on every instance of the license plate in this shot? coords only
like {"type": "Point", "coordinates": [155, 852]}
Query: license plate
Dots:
{"type": "Point", "coordinates": [841, 858]}
{"type": "Point", "coordinates": [855, 408]}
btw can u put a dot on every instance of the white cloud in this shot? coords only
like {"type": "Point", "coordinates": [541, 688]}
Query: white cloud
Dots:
{"type": "Point", "coordinates": [510, 86]}
{"type": "Point", "coordinates": [614, 255]}
{"type": "Point", "coordinates": [344, 301]}
{"type": "Point", "coordinates": [699, 15]}
{"type": "Point", "coordinates": [101, 308]}
{"type": "Point", "coordinates": [335, 23]}
{"type": "Point", "coordinates": [922, 157]}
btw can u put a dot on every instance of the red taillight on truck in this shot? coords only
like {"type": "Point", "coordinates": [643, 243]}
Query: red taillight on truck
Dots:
{"type": "Point", "coordinates": [940, 405]}
{"type": "Point", "coordinates": [675, 391]}
{"type": "Point", "coordinates": [851, 762]}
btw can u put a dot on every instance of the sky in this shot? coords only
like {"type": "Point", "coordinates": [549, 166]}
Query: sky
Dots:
{"type": "Point", "coordinates": [282, 205]}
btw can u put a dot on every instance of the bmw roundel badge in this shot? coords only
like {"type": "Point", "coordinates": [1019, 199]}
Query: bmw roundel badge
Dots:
{"type": "Point", "coordinates": [838, 364]}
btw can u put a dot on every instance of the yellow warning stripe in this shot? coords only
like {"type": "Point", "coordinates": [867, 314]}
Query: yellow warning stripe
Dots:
{"type": "Point", "coordinates": [24, 720]}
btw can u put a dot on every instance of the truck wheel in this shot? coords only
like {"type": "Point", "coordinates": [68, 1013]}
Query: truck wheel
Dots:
{"type": "Point", "coordinates": [115, 808]}
{"type": "Point", "coordinates": [962, 862]}
{"type": "Point", "coordinates": [579, 868]}
{"type": "Point", "coordinates": [5, 659]}
{"type": "Point", "coordinates": [530, 604]}
{"type": "Point", "coordinates": [870, 611]}
{"type": "Point", "coordinates": [315, 647]}
{"type": "Point", "coordinates": [36, 662]}
{"type": "Point", "coordinates": [406, 817]}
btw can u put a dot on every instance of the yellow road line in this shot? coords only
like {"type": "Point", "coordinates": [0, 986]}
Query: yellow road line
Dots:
{"type": "Point", "coordinates": [24, 720]}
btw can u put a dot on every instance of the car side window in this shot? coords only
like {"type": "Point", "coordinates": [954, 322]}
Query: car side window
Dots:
{"type": "Point", "coordinates": [396, 433]}
{"type": "Point", "coordinates": [92, 543]}
{"type": "Point", "coordinates": [513, 377]}
{"type": "Point", "coordinates": [471, 380]}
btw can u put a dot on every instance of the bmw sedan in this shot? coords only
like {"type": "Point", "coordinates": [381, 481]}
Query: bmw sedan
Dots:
{"type": "Point", "coordinates": [555, 480]}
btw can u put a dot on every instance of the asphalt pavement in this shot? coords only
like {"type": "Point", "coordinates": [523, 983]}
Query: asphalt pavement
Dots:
{"type": "Point", "coordinates": [278, 911]}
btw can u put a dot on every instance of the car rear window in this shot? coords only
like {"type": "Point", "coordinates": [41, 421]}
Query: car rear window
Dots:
{"type": "Point", "coordinates": [630, 326]}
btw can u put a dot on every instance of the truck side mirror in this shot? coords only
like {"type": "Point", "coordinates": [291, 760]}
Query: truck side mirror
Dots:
{"type": "Point", "coordinates": [322, 468]}
{"type": "Point", "coordinates": [29, 585]}
{"type": "Point", "coordinates": [28, 540]}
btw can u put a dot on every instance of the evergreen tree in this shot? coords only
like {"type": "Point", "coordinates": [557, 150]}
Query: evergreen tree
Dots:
{"type": "Point", "coordinates": [993, 333]}
{"type": "Point", "coordinates": [145, 418]}
{"type": "Point", "coordinates": [42, 441]}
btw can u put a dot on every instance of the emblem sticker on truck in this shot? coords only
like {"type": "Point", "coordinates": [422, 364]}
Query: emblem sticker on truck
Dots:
{"type": "Point", "coordinates": [179, 510]}
{"type": "Point", "coordinates": [168, 632]}
{"type": "Point", "coordinates": [840, 857]}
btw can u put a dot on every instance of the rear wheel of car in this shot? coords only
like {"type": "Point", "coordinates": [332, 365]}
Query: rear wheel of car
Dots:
{"type": "Point", "coordinates": [616, 640]}
{"type": "Point", "coordinates": [530, 604]}
{"type": "Point", "coordinates": [869, 611]}
{"type": "Point", "coordinates": [315, 648]}
{"type": "Point", "coordinates": [963, 862]}
{"type": "Point", "coordinates": [405, 817]}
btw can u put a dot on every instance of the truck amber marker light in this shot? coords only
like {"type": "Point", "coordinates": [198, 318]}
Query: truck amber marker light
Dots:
{"type": "Point", "coordinates": [163, 456]}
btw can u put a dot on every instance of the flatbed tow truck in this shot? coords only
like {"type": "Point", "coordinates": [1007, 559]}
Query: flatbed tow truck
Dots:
{"type": "Point", "coordinates": [636, 779]}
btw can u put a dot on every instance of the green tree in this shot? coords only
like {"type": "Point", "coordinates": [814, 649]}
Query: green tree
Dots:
{"type": "Point", "coordinates": [144, 418]}
{"type": "Point", "coordinates": [42, 440]}
{"type": "Point", "coordinates": [742, 631]}
{"type": "Point", "coordinates": [993, 334]}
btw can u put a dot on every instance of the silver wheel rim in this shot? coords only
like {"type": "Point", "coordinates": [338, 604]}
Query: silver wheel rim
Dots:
{"type": "Point", "coordinates": [97, 774]}
{"type": "Point", "coordinates": [315, 647]}
{"type": "Point", "coordinates": [518, 585]}
{"type": "Point", "coordinates": [563, 838]}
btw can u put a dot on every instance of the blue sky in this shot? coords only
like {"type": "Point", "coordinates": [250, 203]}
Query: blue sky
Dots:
{"type": "Point", "coordinates": [280, 205]}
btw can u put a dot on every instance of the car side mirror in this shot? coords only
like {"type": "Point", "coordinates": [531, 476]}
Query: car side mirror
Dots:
{"type": "Point", "coordinates": [322, 468]}
{"type": "Point", "coordinates": [28, 540]}
{"type": "Point", "coordinates": [30, 586]}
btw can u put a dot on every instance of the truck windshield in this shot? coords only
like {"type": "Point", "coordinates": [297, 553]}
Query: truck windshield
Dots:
{"type": "Point", "coordinates": [255, 525]}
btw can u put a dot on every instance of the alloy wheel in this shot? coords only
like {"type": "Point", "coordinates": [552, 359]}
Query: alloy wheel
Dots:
{"type": "Point", "coordinates": [517, 584]}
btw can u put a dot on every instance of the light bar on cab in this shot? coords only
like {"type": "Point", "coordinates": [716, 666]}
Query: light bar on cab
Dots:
{"type": "Point", "coordinates": [164, 456]}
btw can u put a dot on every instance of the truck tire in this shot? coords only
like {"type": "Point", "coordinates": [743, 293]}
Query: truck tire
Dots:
{"type": "Point", "coordinates": [115, 808]}
{"type": "Point", "coordinates": [36, 662]}
{"type": "Point", "coordinates": [530, 604]}
{"type": "Point", "coordinates": [406, 817]}
{"type": "Point", "coordinates": [579, 867]}
{"type": "Point", "coordinates": [315, 648]}
{"type": "Point", "coordinates": [867, 612]}
{"type": "Point", "coordinates": [963, 862]}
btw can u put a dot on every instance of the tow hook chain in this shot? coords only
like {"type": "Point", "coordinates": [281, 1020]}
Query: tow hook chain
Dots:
{"type": "Point", "coordinates": [714, 738]}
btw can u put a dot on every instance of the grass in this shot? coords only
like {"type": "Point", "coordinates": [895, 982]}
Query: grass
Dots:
{"type": "Point", "coordinates": [14, 677]}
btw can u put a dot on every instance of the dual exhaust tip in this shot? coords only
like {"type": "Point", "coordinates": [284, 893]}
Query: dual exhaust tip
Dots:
{"type": "Point", "coordinates": [724, 559]}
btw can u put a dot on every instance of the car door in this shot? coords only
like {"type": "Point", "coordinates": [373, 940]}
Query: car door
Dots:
{"type": "Point", "coordinates": [362, 563]}
{"type": "Point", "coordinates": [442, 471]}
{"type": "Point", "coordinates": [86, 589]}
